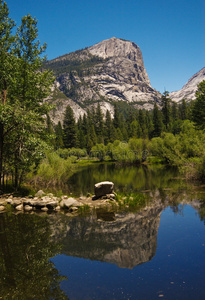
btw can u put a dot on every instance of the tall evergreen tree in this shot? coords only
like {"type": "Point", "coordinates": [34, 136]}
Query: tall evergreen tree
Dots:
{"type": "Point", "coordinates": [157, 121]}
{"type": "Point", "coordinates": [69, 129]}
{"type": "Point", "coordinates": [99, 124]}
{"type": "Point", "coordinates": [166, 109]}
{"type": "Point", "coordinates": [59, 136]}
{"type": "Point", "coordinates": [198, 111]}
{"type": "Point", "coordinates": [183, 109]}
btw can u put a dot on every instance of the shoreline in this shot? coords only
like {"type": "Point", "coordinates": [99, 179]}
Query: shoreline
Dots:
{"type": "Point", "coordinates": [49, 203]}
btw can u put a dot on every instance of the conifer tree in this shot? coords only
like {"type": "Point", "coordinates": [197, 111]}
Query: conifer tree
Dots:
{"type": "Point", "coordinates": [69, 129]}
{"type": "Point", "coordinates": [183, 108]}
{"type": "Point", "coordinates": [166, 109]}
{"type": "Point", "coordinates": [198, 111]}
{"type": "Point", "coordinates": [157, 121]}
{"type": "Point", "coordinates": [59, 136]}
{"type": "Point", "coordinates": [99, 124]}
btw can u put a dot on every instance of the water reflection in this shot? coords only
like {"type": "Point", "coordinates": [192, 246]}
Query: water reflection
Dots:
{"type": "Point", "coordinates": [124, 239]}
{"type": "Point", "coordinates": [28, 242]}
{"type": "Point", "coordinates": [26, 271]}
{"type": "Point", "coordinates": [126, 178]}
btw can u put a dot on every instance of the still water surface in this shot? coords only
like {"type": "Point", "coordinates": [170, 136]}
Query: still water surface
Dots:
{"type": "Point", "coordinates": [155, 253]}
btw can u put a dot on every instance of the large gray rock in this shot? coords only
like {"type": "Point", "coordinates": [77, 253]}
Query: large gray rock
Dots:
{"type": "Point", "coordinates": [67, 203]}
{"type": "Point", "coordinates": [40, 193]}
{"type": "Point", "coordinates": [103, 188]}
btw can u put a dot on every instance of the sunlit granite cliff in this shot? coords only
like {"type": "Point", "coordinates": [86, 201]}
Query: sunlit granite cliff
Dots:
{"type": "Point", "coordinates": [112, 70]}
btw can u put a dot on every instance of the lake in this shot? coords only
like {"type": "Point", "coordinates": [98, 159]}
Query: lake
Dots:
{"type": "Point", "coordinates": [155, 252]}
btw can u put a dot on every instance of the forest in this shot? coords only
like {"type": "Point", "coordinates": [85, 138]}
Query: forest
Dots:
{"type": "Point", "coordinates": [32, 147]}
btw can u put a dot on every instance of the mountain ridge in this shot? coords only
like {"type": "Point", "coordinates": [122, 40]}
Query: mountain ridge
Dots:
{"type": "Point", "coordinates": [188, 91]}
{"type": "Point", "coordinates": [107, 72]}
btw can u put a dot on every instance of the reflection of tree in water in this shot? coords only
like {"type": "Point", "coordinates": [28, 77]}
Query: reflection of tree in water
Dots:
{"type": "Point", "coordinates": [25, 249]}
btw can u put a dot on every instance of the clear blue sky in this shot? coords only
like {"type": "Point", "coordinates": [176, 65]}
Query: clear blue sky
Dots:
{"type": "Point", "coordinates": [170, 33]}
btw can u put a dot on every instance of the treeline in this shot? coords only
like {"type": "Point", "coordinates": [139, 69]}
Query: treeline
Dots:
{"type": "Point", "coordinates": [94, 128]}
{"type": "Point", "coordinates": [70, 64]}
{"type": "Point", "coordinates": [171, 133]}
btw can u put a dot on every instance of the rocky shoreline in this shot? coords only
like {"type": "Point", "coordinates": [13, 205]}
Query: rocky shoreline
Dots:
{"type": "Point", "coordinates": [42, 202]}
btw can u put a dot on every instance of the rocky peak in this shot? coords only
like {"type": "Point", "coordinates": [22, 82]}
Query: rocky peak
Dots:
{"type": "Point", "coordinates": [189, 89]}
{"type": "Point", "coordinates": [123, 52]}
{"type": "Point", "coordinates": [112, 70]}
{"type": "Point", "coordinates": [116, 47]}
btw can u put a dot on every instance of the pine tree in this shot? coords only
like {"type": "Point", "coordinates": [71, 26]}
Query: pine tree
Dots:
{"type": "Point", "coordinates": [99, 124]}
{"type": "Point", "coordinates": [183, 108]}
{"type": "Point", "coordinates": [69, 129]}
{"type": "Point", "coordinates": [157, 121]}
{"type": "Point", "coordinates": [59, 136]}
{"type": "Point", "coordinates": [166, 110]}
{"type": "Point", "coordinates": [198, 111]}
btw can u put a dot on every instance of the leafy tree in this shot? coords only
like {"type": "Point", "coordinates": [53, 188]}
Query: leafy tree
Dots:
{"type": "Point", "coordinates": [198, 111]}
{"type": "Point", "coordinates": [22, 107]}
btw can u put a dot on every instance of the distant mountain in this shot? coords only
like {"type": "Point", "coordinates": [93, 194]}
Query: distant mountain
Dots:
{"type": "Point", "coordinates": [189, 89]}
{"type": "Point", "coordinates": [110, 71]}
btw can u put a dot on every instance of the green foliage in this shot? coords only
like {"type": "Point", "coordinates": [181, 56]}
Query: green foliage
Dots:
{"type": "Point", "coordinates": [26, 247]}
{"type": "Point", "coordinates": [54, 170]}
{"type": "Point", "coordinates": [71, 63]}
{"type": "Point", "coordinates": [198, 111]}
{"type": "Point", "coordinates": [132, 201]}
{"type": "Point", "coordinates": [23, 88]}
{"type": "Point", "coordinates": [69, 129]}
{"type": "Point", "coordinates": [184, 150]}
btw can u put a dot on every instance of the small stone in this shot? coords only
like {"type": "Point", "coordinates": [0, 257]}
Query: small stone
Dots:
{"type": "Point", "coordinates": [44, 209]}
{"type": "Point", "coordinates": [28, 208]}
{"type": "Point", "coordinates": [9, 201]}
{"type": "Point", "coordinates": [66, 203]}
{"type": "Point", "coordinates": [57, 208]}
{"type": "Point", "coordinates": [2, 208]}
{"type": "Point", "coordinates": [16, 202]}
{"type": "Point", "coordinates": [73, 209]}
{"type": "Point", "coordinates": [19, 207]}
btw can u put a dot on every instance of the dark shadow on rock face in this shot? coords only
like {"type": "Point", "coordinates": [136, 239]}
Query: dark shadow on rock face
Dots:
{"type": "Point", "coordinates": [126, 239]}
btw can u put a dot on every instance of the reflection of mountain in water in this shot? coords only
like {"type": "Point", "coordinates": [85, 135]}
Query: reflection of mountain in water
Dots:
{"type": "Point", "coordinates": [128, 240]}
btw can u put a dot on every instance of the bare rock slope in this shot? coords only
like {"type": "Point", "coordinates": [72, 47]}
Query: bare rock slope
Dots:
{"type": "Point", "coordinates": [110, 71]}
{"type": "Point", "coordinates": [189, 89]}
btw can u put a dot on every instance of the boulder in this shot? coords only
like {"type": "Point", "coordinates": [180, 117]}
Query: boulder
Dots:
{"type": "Point", "coordinates": [40, 193]}
{"type": "Point", "coordinates": [19, 207]}
{"type": "Point", "coordinates": [67, 203]}
{"type": "Point", "coordinates": [44, 209]}
{"type": "Point", "coordinates": [103, 188]}
{"type": "Point", "coordinates": [2, 208]}
{"type": "Point", "coordinates": [16, 202]}
{"type": "Point", "coordinates": [28, 208]}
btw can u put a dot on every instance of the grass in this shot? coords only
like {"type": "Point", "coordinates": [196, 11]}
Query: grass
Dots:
{"type": "Point", "coordinates": [132, 201]}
